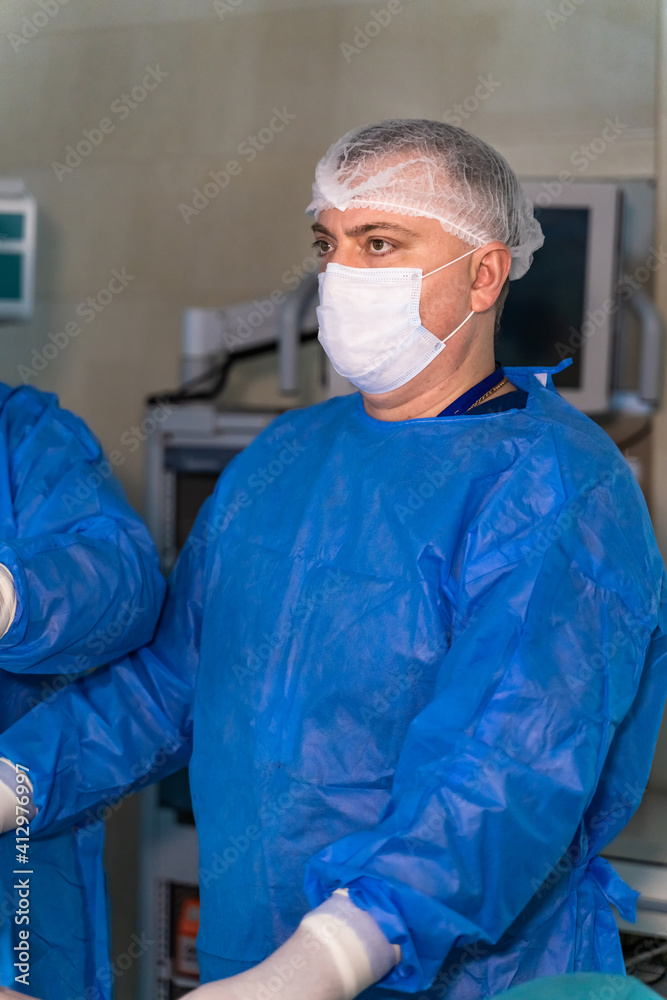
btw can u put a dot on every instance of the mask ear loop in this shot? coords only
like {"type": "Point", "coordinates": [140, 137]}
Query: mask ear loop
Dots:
{"type": "Point", "coordinates": [458, 327]}
{"type": "Point", "coordinates": [472, 313]}
{"type": "Point", "coordinates": [450, 262]}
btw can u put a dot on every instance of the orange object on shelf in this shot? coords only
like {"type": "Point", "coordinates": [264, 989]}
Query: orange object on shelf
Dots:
{"type": "Point", "coordinates": [185, 959]}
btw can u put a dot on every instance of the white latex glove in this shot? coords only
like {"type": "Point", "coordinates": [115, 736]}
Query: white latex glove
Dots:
{"type": "Point", "coordinates": [12, 793]}
{"type": "Point", "coordinates": [336, 952]}
{"type": "Point", "coordinates": [7, 600]}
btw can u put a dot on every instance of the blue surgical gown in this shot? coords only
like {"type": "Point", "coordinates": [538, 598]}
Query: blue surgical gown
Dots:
{"type": "Point", "coordinates": [424, 660]}
{"type": "Point", "coordinates": [89, 589]}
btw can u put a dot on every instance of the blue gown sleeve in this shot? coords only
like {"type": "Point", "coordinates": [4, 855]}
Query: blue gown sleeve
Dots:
{"type": "Point", "coordinates": [86, 573]}
{"type": "Point", "coordinates": [497, 772]}
{"type": "Point", "coordinates": [125, 726]}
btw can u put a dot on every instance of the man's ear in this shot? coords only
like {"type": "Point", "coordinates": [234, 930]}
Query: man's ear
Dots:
{"type": "Point", "coordinates": [492, 269]}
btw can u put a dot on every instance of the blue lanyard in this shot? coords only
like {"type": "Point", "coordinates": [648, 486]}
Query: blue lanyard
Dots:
{"type": "Point", "coordinates": [470, 396]}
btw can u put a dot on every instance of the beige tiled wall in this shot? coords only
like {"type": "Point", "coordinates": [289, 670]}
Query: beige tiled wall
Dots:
{"type": "Point", "coordinates": [554, 84]}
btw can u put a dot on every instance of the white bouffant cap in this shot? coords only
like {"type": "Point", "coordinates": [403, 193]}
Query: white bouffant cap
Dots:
{"type": "Point", "coordinates": [414, 166]}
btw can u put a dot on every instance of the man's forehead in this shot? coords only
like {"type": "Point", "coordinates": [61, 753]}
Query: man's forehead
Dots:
{"type": "Point", "coordinates": [358, 222]}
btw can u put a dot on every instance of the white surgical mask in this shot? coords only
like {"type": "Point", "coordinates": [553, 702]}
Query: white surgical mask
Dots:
{"type": "Point", "coordinates": [370, 325]}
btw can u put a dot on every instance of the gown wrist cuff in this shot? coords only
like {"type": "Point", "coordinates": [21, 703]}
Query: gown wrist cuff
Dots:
{"type": "Point", "coordinates": [360, 951]}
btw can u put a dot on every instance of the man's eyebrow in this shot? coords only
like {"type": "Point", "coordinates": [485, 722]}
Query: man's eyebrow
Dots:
{"type": "Point", "coordinates": [387, 226]}
{"type": "Point", "coordinates": [368, 227]}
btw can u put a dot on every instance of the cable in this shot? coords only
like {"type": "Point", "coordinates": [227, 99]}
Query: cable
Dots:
{"type": "Point", "coordinates": [653, 982]}
{"type": "Point", "coordinates": [219, 372]}
{"type": "Point", "coordinates": [645, 955]}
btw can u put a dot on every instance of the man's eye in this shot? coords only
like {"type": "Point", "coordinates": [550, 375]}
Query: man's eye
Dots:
{"type": "Point", "coordinates": [380, 246]}
{"type": "Point", "coordinates": [322, 247]}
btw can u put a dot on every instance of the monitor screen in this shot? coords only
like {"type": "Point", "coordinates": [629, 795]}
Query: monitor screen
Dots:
{"type": "Point", "coordinates": [546, 306]}
{"type": "Point", "coordinates": [192, 488]}
{"type": "Point", "coordinates": [18, 216]}
{"type": "Point", "coordinates": [11, 277]}
{"type": "Point", "coordinates": [12, 225]}
{"type": "Point", "coordinates": [196, 471]}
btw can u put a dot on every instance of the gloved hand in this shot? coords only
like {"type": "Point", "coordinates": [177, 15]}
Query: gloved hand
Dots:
{"type": "Point", "coordinates": [336, 952]}
{"type": "Point", "coordinates": [7, 600]}
{"type": "Point", "coordinates": [15, 788]}
{"type": "Point", "coordinates": [6, 994]}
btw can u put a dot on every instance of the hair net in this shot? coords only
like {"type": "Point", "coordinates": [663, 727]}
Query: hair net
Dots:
{"type": "Point", "coordinates": [419, 167]}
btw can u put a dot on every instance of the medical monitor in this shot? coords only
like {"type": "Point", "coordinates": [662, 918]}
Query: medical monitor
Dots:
{"type": "Point", "coordinates": [565, 306]}
{"type": "Point", "coordinates": [18, 228]}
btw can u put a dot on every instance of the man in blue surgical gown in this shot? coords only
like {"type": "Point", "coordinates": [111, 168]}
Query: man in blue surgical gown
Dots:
{"type": "Point", "coordinates": [79, 585]}
{"type": "Point", "coordinates": [413, 649]}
